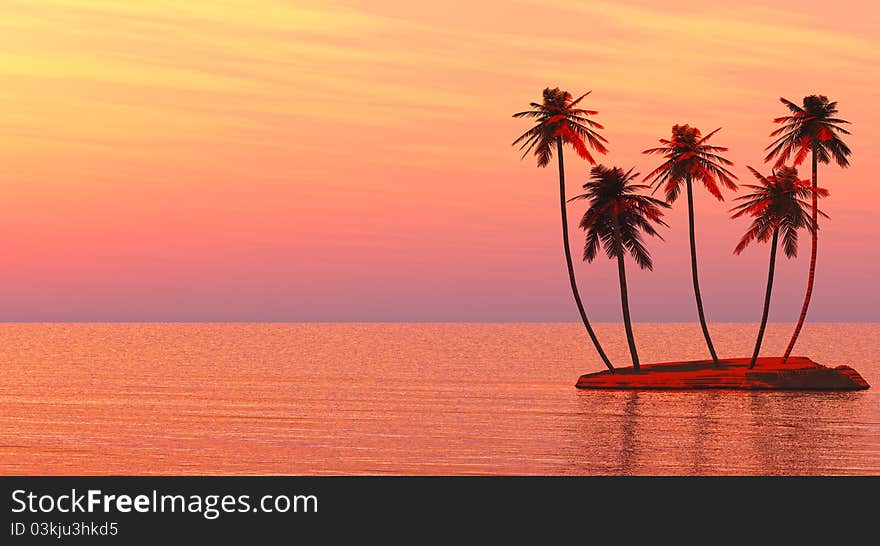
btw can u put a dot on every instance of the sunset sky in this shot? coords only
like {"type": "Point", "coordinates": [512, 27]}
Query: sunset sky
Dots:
{"type": "Point", "coordinates": [319, 161]}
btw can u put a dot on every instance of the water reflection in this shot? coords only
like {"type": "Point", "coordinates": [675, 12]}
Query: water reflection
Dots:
{"type": "Point", "coordinates": [718, 432]}
{"type": "Point", "coordinates": [803, 433]}
{"type": "Point", "coordinates": [702, 430]}
{"type": "Point", "coordinates": [629, 438]}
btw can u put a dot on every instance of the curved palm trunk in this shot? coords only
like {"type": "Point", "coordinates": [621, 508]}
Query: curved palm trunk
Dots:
{"type": "Point", "coordinates": [571, 278]}
{"type": "Point", "coordinates": [766, 297]}
{"type": "Point", "coordinates": [812, 275]}
{"type": "Point", "coordinates": [699, 297]}
{"type": "Point", "coordinates": [624, 298]}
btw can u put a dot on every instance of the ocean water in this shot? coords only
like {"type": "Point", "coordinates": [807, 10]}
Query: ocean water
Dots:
{"type": "Point", "coordinates": [314, 399]}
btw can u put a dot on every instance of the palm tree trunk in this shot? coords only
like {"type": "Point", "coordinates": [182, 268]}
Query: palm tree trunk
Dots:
{"type": "Point", "coordinates": [624, 298]}
{"type": "Point", "coordinates": [571, 278]}
{"type": "Point", "coordinates": [690, 196]}
{"type": "Point", "coordinates": [812, 274]}
{"type": "Point", "coordinates": [766, 297]}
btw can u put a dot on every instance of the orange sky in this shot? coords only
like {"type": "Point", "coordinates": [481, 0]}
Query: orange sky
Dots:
{"type": "Point", "coordinates": [269, 160]}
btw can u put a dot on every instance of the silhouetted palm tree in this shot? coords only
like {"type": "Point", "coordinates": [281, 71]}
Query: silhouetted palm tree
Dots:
{"type": "Point", "coordinates": [775, 205]}
{"type": "Point", "coordinates": [689, 158]}
{"type": "Point", "coordinates": [615, 218]}
{"type": "Point", "coordinates": [558, 121]}
{"type": "Point", "coordinates": [811, 128]}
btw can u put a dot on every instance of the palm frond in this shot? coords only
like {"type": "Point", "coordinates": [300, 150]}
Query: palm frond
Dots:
{"type": "Point", "coordinates": [776, 203]}
{"type": "Point", "coordinates": [618, 215]}
{"type": "Point", "coordinates": [688, 154]}
{"type": "Point", "coordinates": [813, 127]}
{"type": "Point", "coordinates": [557, 118]}
{"type": "Point", "coordinates": [790, 241]}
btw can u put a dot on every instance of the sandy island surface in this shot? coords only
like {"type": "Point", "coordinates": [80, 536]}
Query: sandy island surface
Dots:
{"type": "Point", "coordinates": [799, 373]}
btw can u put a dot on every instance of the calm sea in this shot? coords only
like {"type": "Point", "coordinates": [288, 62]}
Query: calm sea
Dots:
{"type": "Point", "coordinates": [413, 399]}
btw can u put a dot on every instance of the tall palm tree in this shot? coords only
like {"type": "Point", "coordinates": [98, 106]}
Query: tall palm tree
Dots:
{"type": "Point", "coordinates": [814, 129]}
{"type": "Point", "coordinates": [615, 218]}
{"type": "Point", "coordinates": [777, 204]}
{"type": "Point", "coordinates": [688, 158]}
{"type": "Point", "coordinates": [558, 121]}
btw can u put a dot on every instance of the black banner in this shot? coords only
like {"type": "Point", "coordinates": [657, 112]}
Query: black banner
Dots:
{"type": "Point", "coordinates": [222, 510]}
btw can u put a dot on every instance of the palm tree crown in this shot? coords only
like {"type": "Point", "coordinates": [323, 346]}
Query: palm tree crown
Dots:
{"type": "Point", "coordinates": [558, 117]}
{"type": "Point", "coordinates": [615, 204]}
{"type": "Point", "coordinates": [777, 203]}
{"type": "Point", "coordinates": [812, 124]}
{"type": "Point", "coordinates": [687, 154]}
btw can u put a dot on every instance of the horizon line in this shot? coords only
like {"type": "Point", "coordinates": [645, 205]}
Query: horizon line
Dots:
{"type": "Point", "coordinates": [9, 322]}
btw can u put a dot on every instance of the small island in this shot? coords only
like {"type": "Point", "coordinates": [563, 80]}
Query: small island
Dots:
{"type": "Point", "coordinates": [799, 373]}
{"type": "Point", "coordinates": [620, 214]}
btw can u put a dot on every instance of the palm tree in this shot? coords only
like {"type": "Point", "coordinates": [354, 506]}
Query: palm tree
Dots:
{"type": "Point", "coordinates": [777, 204]}
{"type": "Point", "coordinates": [559, 121]}
{"type": "Point", "coordinates": [814, 129]}
{"type": "Point", "coordinates": [689, 158]}
{"type": "Point", "coordinates": [615, 217]}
